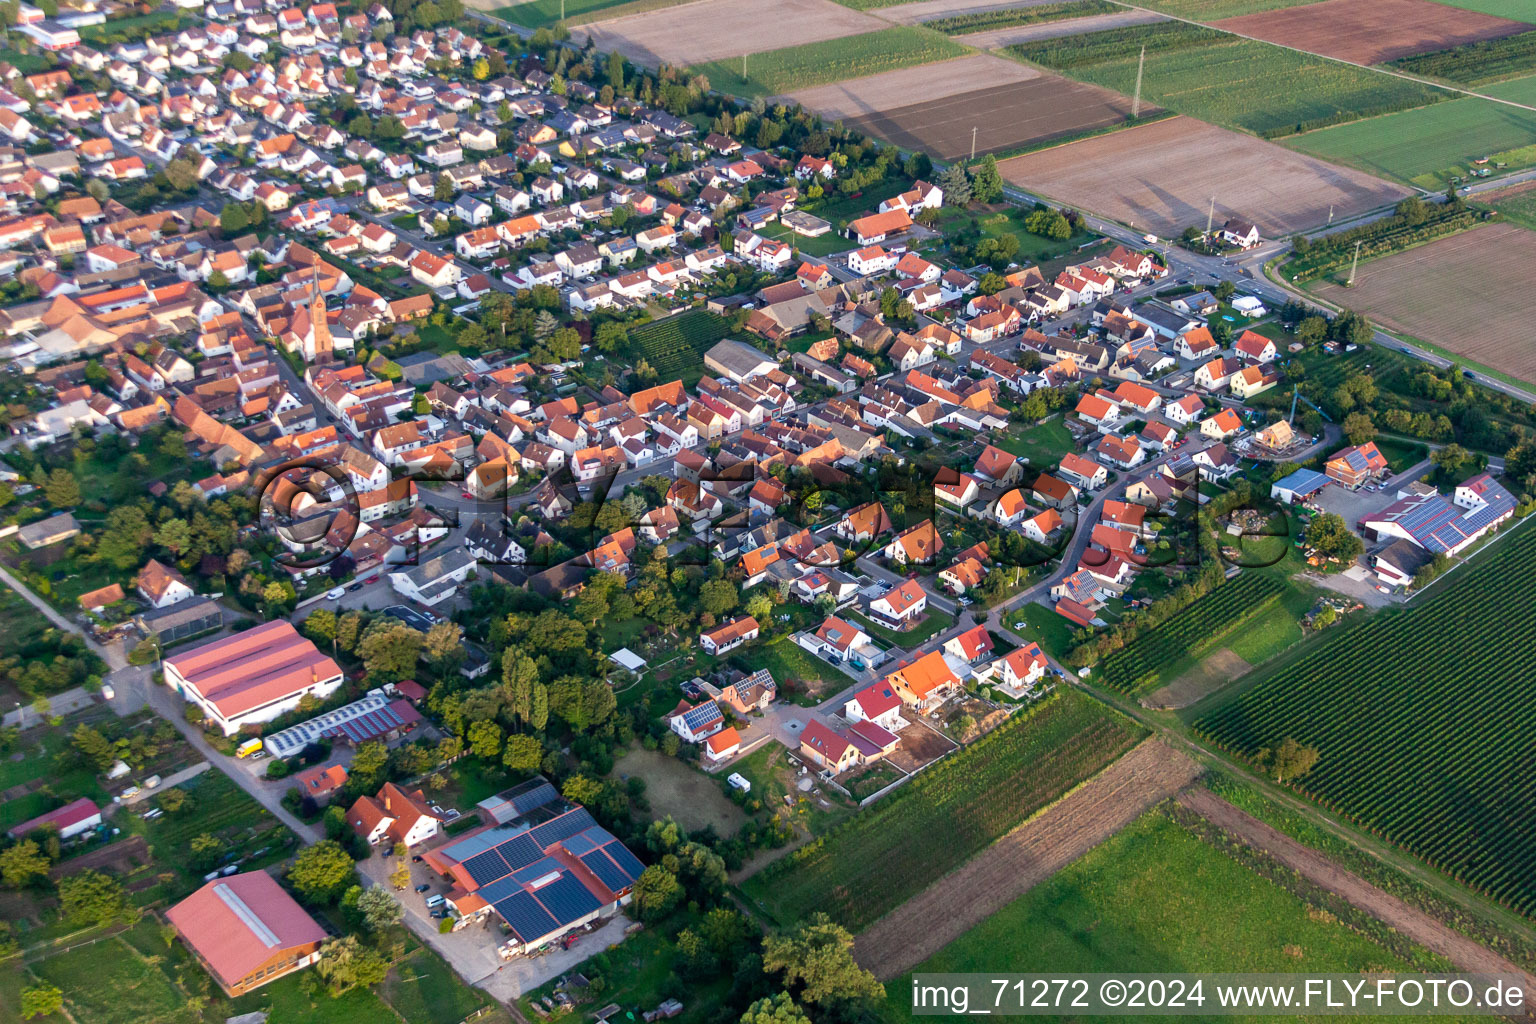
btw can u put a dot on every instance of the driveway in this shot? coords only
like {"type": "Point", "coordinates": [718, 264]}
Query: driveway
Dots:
{"type": "Point", "coordinates": [472, 951]}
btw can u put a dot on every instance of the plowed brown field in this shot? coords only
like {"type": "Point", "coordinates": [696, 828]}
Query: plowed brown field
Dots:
{"type": "Point", "coordinates": [1372, 31]}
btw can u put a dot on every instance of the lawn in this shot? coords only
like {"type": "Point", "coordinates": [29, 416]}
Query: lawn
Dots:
{"type": "Point", "coordinates": [1401, 453]}
{"type": "Point", "coordinates": [1428, 146]}
{"type": "Point", "coordinates": [788, 661]}
{"type": "Point", "coordinates": [821, 245]}
{"type": "Point", "coordinates": [1042, 625]}
{"type": "Point", "coordinates": [773, 778]}
{"type": "Point", "coordinates": [933, 622]}
{"type": "Point", "coordinates": [681, 791]}
{"type": "Point", "coordinates": [1010, 221]}
{"type": "Point", "coordinates": [1160, 898]}
{"type": "Point", "coordinates": [896, 847]}
{"type": "Point", "coordinates": [285, 1000]}
{"type": "Point", "coordinates": [109, 983]}
{"type": "Point", "coordinates": [1515, 10]}
{"type": "Point", "coordinates": [1217, 77]}
{"type": "Point", "coordinates": [422, 988]}
{"type": "Point", "coordinates": [772, 72]}
{"type": "Point", "coordinates": [638, 973]}
{"type": "Point", "coordinates": [1042, 445]}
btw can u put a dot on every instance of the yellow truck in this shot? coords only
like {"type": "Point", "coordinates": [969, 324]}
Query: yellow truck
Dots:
{"type": "Point", "coordinates": [248, 748]}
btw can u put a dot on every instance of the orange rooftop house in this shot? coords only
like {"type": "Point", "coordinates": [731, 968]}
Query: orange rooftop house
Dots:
{"type": "Point", "coordinates": [254, 676]}
{"type": "Point", "coordinates": [394, 816]}
{"type": "Point", "coordinates": [246, 931]}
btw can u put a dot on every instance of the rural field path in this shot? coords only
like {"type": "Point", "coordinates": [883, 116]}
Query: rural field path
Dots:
{"type": "Point", "coordinates": [1000, 37]}
{"type": "Point", "coordinates": [1465, 953]}
{"type": "Point", "coordinates": [1023, 858]}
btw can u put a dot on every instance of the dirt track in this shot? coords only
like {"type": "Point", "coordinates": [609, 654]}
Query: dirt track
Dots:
{"type": "Point", "coordinates": [1023, 858]}
{"type": "Point", "coordinates": [1372, 31]}
{"type": "Point", "coordinates": [1415, 924]}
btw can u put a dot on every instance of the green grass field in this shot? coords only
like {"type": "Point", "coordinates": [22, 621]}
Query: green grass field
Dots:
{"type": "Point", "coordinates": [1043, 444]}
{"type": "Point", "coordinates": [1042, 625]}
{"type": "Point", "coordinates": [1157, 898]}
{"type": "Point", "coordinates": [1240, 83]}
{"type": "Point", "coordinates": [1427, 146]}
{"type": "Point", "coordinates": [423, 988]}
{"type": "Point", "coordinates": [1521, 90]}
{"type": "Point", "coordinates": [1515, 10]}
{"type": "Point", "coordinates": [833, 60]}
{"type": "Point", "coordinates": [948, 813]}
{"type": "Point", "coordinates": [933, 623]}
{"type": "Point", "coordinates": [1519, 208]}
{"type": "Point", "coordinates": [546, 13]}
{"type": "Point", "coordinates": [109, 983]}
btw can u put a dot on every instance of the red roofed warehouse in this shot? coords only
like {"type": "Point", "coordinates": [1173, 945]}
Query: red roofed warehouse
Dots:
{"type": "Point", "coordinates": [246, 931]}
{"type": "Point", "coordinates": [254, 676]}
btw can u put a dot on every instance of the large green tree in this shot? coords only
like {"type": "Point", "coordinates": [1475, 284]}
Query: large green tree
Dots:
{"type": "Point", "coordinates": [816, 961]}
{"type": "Point", "coordinates": [320, 873]}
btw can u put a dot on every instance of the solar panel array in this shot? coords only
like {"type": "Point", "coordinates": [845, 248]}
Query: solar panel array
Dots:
{"type": "Point", "coordinates": [1438, 526]}
{"type": "Point", "coordinates": [702, 716]}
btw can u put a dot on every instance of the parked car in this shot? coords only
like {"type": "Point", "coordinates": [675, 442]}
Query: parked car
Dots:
{"type": "Point", "coordinates": [372, 579]}
{"type": "Point", "coordinates": [423, 887]}
{"type": "Point", "coordinates": [355, 586]}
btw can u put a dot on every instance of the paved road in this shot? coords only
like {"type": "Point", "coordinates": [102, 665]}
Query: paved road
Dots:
{"type": "Point", "coordinates": [136, 688]}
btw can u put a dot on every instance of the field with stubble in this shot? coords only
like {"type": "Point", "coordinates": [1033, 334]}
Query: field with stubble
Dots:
{"type": "Point", "coordinates": [1160, 177]}
{"type": "Point", "coordinates": [1009, 104]}
{"type": "Point", "coordinates": [1468, 294]}
{"type": "Point", "coordinates": [697, 33]}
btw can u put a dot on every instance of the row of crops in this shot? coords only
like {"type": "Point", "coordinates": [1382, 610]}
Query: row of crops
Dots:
{"type": "Point", "coordinates": [1137, 665]}
{"type": "Point", "coordinates": [675, 346]}
{"type": "Point", "coordinates": [1008, 17]}
{"type": "Point", "coordinates": [1226, 79]}
{"type": "Point", "coordinates": [1425, 721]}
{"type": "Point", "coordinates": [880, 857]}
{"type": "Point", "coordinates": [1476, 63]}
{"type": "Point", "coordinates": [1379, 239]}
{"type": "Point", "coordinates": [831, 60]}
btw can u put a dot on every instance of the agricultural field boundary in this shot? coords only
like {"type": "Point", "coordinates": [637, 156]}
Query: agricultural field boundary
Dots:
{"type": "Point", "coordinates": [1418, 926]}
{"type": "Point", "coordinates": [1193, 630]}
{"type": "Point", "coordinates": [943, 816]}
{"type": "Point", "coordinates": [1025, 857]}
{"type": "Point", "coordinates": [1366, 67]}
{"type": "Point", "coordinates": [1407, 754]}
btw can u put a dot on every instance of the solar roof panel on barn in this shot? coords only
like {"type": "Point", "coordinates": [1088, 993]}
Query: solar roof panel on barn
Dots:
{"type": "Point", "coordinates": [607, 872]}
{"type": "Point", "coordinates": [525, 916]}
{"type": "Point", "coordinates": [567, 899]}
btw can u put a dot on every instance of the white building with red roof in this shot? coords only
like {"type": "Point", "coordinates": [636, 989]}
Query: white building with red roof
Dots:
{"type": "Point", "coordinates": [70, 820]}
{"type": "Point", "coordinates": [254, 676]}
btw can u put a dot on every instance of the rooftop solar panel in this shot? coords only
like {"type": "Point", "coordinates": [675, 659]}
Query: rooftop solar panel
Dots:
{"type": "Point", "coordinates": [582, 843]}
{"type": "Point", "coordinates": [556, 829]}
{"type": "Point", "coordinates": [535, 797]}
{"type": "Point", "coordinates": [607, 872]}
{"type": "Point", "coordinates": [525, 916]}
{"type": "Point", "coordinates": [538, 869]}
{"type": "Point", "coordinates": [567, 899]}
{"type": "Point", "coordinates": [627, 862]}
{"type": "Point", "coordinates": [485, 867]}
{"type": "Point", "coordinates": [519, 850]}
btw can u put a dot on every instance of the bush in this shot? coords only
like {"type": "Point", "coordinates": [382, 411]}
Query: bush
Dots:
{"type": "Point", "coordinates": [279, 769]}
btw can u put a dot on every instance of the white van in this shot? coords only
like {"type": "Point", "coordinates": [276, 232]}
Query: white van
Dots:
{"type": "Point", "coordinates": [737, 780]}
{"type": "Point", "coordinates": [435, 900]}
{"type": "Point", "coordinates": [336, 594]}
